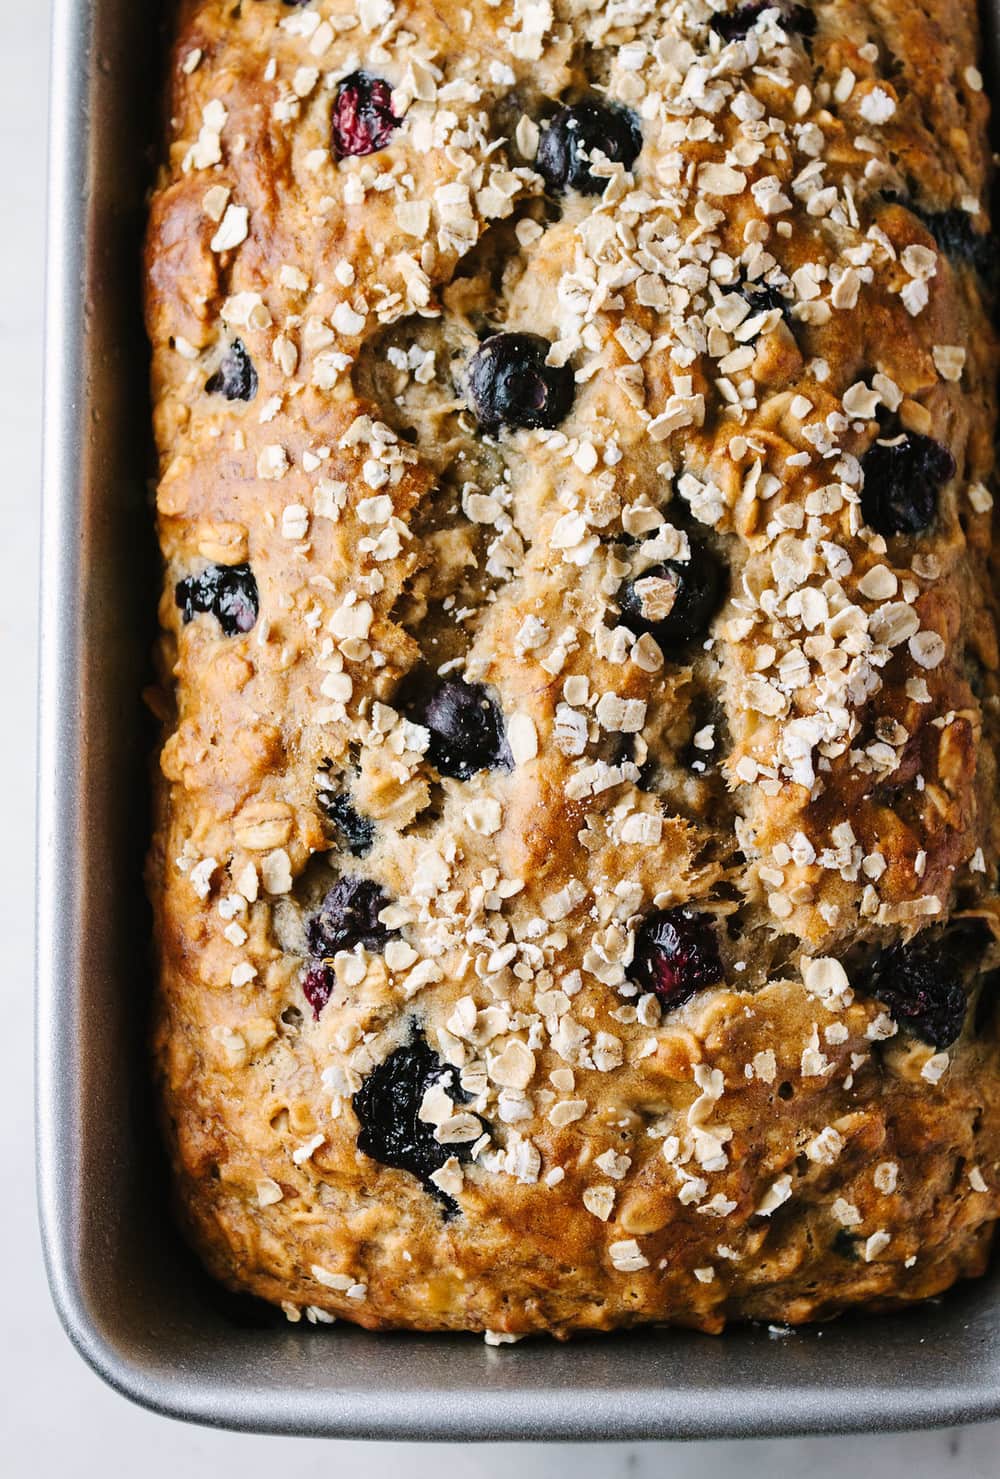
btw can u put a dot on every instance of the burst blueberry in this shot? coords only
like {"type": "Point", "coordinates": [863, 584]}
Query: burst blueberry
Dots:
{"type": "Point", "coordinates": [349, 916]}
{"type": "Point", "coordinates": [903, 476]}
{"type": "Point", "coordinates": [227, 592]}
{"type": "Point", "coordinates": [733, 25]}
{"type": "Point", "coordinates": [921, 984]}
{"type": "Point", "coordinates": [318, 986]}
{"type": "Point", "coordinates": [466, 727]}
{"type": "Point", "coordinates": [363, 121]}
{"type": "Point", "coordinates": [676, 955]}
{"type": "Point", "coordinates": [511, 385]}
{"type": "Point", "coordinates": [236, 377]}
{"type": "Point", "coordinates": [647, 606]}
{"type": "Point", "coordinates": [356, 831]}
{"type": "Point", "coordinates": [388, 1109]}
{"type": "Point", "coordinates": [567, 145]}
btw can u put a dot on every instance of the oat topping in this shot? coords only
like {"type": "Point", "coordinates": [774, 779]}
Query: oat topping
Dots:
{"type": "Point", "coordinates": [577, 823]}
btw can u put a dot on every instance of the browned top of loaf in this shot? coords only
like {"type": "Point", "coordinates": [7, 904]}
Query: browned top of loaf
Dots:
{"type": "Point", "coordinates": [848, 681]}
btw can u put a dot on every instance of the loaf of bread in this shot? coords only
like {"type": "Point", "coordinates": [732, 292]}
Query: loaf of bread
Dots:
{"type": "Point", "coordinates": [576, 850]}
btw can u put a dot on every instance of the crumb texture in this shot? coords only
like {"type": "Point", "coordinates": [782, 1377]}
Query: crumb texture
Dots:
{"type": "Point", "coordinates": [575, 867]}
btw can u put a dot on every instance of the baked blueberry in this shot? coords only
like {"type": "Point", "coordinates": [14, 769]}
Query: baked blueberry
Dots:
{"type": "Point", "coordinates": [903, 476]}
{"type": "Point", "coordinates": [568, 142]}
{"type": "Point", "coordinates": [317, 987]}
{"type": "Point", "coordinates": [348, 916]}
{"type": "Point", "coordinates": [356, 831]}
{"type": "Point", "coordinates": [388, 1109]}
{"type": "Point", "coordinates": [922, 984]}
{"type": "Point", "coordinates": [228, 592]}
{"type": "Point", "coordinates": [675, 600]}
{"type": "Point", "coordinates": [732, 25]}
{"type": "Point", "coordinates": [511, 385]}
{"type": "Point", "coordinates": [236, 377]}
{"type": "Point", "coordinates": [676, 955]}
{"type": "Point", "coordinates": [362, 121]}
{"type": "Point", "coordinates": [761, 296]}
{"type": "Point", "coordinates": [955, 235]}
{"type": "Point", "coordinates": [466, 726]}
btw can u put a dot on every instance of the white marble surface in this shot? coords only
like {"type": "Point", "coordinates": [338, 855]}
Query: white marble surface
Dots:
{"type": "Point", "coordinates": [57, 1418]}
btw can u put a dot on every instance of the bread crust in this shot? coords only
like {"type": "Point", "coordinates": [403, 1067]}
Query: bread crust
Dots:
{"type": "Point", "coordinates": [776, 1147]}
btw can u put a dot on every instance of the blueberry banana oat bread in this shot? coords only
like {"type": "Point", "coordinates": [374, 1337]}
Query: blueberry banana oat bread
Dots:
{"type": "Point", "coordinates": [577, 836]}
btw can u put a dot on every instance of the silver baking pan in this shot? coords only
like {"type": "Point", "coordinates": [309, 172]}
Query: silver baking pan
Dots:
{"type": "Point", "coordinates": [130, 1297]}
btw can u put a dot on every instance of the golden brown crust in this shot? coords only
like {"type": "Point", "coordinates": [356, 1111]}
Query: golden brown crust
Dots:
{"type": "Point", "coordinates": [774, 1147]}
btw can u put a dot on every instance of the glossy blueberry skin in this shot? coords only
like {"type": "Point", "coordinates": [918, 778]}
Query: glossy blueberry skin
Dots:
{"type": "Point", "coordinates": [236, 377]}
{"type": "Point", "coordinates": [676, 955]}
{"type": "Point", "coordinates": [699, 592]}
{"type": "Point", "coordinates": [903, 476]}
{"type": "Point", "coordinates": [922, 983]}
{"type": "Point", "coordinates": [362, 121]}
{"type": "Point", "coordinates": [348, 916]}
{"type": "Point", "coordinates": [466, 726]}
{"type": "Point", "coordinates": [511, 385]}
{"type": "Point", "coordinates": [571, 136]}
{"type": "Point", "coordinates": [357, 831]}
{"type": "Point", "coordinates": [228, 592]}
{"type": "Point", "coordinates": [387, 1106]}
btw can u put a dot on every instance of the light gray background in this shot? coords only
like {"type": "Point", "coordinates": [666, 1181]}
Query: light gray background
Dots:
{"type": "Point", "coordinates": [56, 1418]}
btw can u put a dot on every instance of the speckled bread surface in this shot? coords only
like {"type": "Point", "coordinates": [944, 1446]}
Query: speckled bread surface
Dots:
{"type": "Point", "coordinates": [575, 869]}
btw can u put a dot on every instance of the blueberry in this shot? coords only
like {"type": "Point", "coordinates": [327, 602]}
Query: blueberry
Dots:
{"type": "Point", "coordinates": [348, 916]}
{"type": "Point", "coordinates": [317, 987]}
{"type": "Point", "coordinates": [357, 832]}
{"type": "Point", "coordinates": [697, 585]}
{"type": "Point", "coordinates": [236, 377]}
{"type": "Point", "coordinates": [676, 955]}
{"type": "Point", "coordinates": [511, 385]}
{"type": "Point", "coordinates": [467, 732]}
{"type": "Point", "coordinates": [761, 296]}
{"type": "Point", "coordinates": [903, 475]}
{"type": "Point", "coordinates": [363, 121]}
{"type": "Point", "coordinates": [388, 1106]}
{"type": "Point", "coordinates": [955, 235]}
{"type": "Point", "coordinates": [921, 984]}
{"type": "Point", "coordinates": [567, 142]}
{"type": "Point", "coordinates": [733, 25]}
{"type": "Point", "coordinates": [228, 592]}
{"type": "Point", "coordinates": [844, 1245]}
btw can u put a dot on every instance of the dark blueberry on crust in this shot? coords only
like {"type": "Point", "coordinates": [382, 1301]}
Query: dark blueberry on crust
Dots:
{"type": "Point", "coordinates": [762, 295]}
{"type": "Point", "coordinates": [228, 592]}
{"type": "Point", "coordinates": [467, 731]}
{"type": "Point", "coordinates": [732, 25]}
{"type": "Point", "coordinates": [363, 121]}
{"type": "Point", "coordinates": [674, 600]}
{"type": "Point", "coordinates": [511, 385]}
{"type": "Point", "coordinates": [955, 235]}
{"type": "Point", "coordinates": [236, 377]}
{"type": "Point", "coordinates": [676, 955]}
{"type": "Point", "coordinates": [844, 1245]}
{"type": "Point", "coordinates": [903, 476]}
{"type": "Point", "coordinates": [922, 985]}
{"type": "Point", "coordinates": [348, 916]}
{"type": "Point", "coordinates": [568, 141]}
{"type": "Point", "coordinates": [317, 987]}
{"type": "Point", "coordinates": [388, 1109]}
{"type": "Point", "coordinates": [356, 831]}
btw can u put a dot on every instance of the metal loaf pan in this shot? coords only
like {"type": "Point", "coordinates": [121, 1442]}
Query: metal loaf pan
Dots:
{"type": "Point", "coordinates": [129, 1295]}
